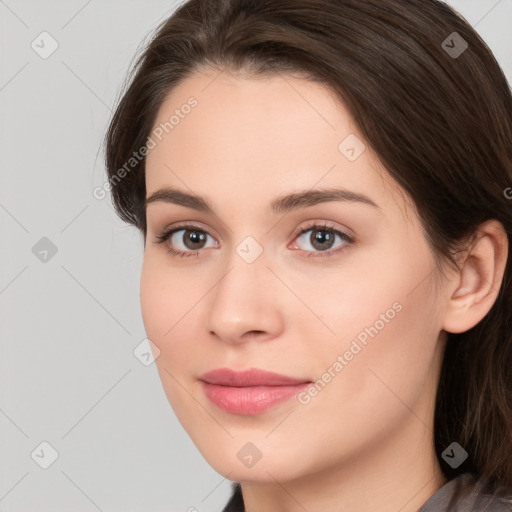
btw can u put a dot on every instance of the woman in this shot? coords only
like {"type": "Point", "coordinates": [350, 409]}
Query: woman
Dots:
{"type": "Point", "coordinates": [372, 373]}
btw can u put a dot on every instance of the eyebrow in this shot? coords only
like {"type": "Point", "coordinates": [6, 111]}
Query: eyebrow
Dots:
{"type": "Point", "coordinates": [283, 204]}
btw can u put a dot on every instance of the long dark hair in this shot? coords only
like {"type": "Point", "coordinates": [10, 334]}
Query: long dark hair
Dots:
{"type": "Point", "coordinates": [431, 101]}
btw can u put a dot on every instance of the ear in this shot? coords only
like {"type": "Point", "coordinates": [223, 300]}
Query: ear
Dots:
{"type": "Point", "coordinates": [477, 283]}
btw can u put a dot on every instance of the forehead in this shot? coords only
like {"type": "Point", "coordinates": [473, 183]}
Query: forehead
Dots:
{"type": "Point", "coordinates": [263, 110]}
{"type": "Point", "coordinates": [261, 136]}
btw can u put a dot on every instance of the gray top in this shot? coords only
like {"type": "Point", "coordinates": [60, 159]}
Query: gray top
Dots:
{"type": "Point", "coordinates": [473, 498]}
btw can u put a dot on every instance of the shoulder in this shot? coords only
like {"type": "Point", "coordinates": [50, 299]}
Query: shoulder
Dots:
{"type": "Point", "coordinates": [465, 493]}
{"type": "Point", "coordinates": [489, 500]}
{"type": "Point", "coordinates": [492, 504]}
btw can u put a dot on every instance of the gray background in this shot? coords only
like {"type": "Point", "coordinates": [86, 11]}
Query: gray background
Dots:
{"type": "Point", "coordinates": [70, 323]}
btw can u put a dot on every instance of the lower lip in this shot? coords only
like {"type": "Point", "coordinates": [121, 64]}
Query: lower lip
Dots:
{"type": "Point", "coordinates": [250, 400]}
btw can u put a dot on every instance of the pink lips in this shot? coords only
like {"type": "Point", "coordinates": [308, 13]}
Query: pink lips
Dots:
{"type": "Point", "coordinates": [251, 391]}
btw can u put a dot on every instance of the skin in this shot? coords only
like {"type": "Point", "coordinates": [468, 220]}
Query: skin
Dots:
{"type": "Point", "coordinates": [365, 441]}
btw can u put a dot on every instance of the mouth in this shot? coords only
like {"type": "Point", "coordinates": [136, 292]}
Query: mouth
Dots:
{"type": "Point", "coordinates": [249, 392]}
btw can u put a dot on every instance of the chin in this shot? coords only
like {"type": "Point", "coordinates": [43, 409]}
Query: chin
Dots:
{"type": "Point", "coordinates": [243, 461]}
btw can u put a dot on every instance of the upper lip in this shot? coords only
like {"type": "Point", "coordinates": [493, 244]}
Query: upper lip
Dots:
{"type": "Point", "coordinates": [246, 378]}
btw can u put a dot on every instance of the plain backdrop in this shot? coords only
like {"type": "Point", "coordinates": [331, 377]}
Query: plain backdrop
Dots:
{"type": "Point", "coordinates": [73, 395]}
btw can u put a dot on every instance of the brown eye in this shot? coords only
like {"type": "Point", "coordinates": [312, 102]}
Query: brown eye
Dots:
{"type": "Point", "coordinates": [193, 239]}
{"type": "Point", "coordinates": [184, 240]}
{"type": "Point", "coordinates": [323, 239]}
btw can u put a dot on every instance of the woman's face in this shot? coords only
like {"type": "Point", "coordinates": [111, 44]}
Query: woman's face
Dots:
{"type": "Point", "coordinates": [351, 308]}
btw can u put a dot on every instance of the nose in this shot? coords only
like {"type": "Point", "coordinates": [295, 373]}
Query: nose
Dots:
{"type": "Point", "coordinates": [244, 302]}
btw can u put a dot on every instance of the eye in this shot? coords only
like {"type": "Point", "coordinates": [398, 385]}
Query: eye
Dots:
{"type": "Point", "coordinates": [322, 240]}
{"type": "Point", "coordinates": [192, 240]}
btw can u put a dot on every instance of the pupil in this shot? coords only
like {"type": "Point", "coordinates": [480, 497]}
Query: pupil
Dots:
{"type": "Point", "coordinates": [195, 237]}
{"type": "Point", "coordinates": [319, 238]}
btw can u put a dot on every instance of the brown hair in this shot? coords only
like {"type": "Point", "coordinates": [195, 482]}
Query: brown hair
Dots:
{"type": "Point", "coordinates": [439, 120]}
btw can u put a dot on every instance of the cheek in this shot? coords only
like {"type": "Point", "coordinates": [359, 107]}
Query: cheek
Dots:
{"type": "Point", "coordinates": [169, 302]}
{"type": "Point", "coordinates": [163, 293]}
{"type": "Point", "coordinates": [162, 299]}
{"type": "Point", "coordinates": [164, 303]}
{"type": "Point", "coordinates": [382, 337]}
{"type": "Point", "coordinates": [152, 301]}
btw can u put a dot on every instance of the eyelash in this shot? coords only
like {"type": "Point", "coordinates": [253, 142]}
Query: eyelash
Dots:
{"type": "Point", "coordinates": [161, 239]}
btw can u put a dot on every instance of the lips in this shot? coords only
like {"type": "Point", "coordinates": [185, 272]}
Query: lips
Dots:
{"type": "Point", "coordinates": [252, 377]}
{"type": "Point", "coordinates": [250, 391]}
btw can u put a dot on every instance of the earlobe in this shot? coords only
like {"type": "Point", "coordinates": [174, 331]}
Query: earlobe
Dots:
{"type": "Point", "coordinates": [479, 278]}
